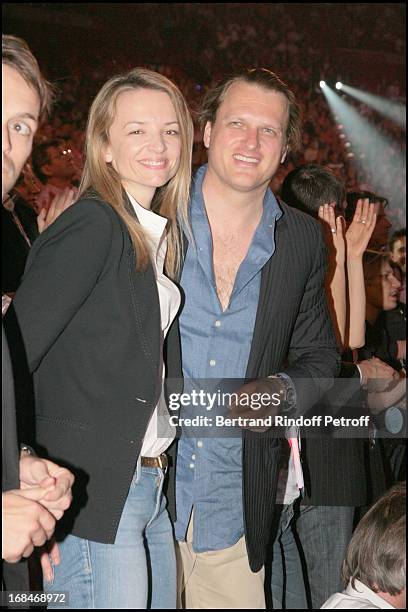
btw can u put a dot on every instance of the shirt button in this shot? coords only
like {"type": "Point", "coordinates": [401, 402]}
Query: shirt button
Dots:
{"type": "Point", "coordinates": [218, 324]}
{"type": "Point", "coordinates": [212, 362]}
{"type": "Point", "coordinates": [193, 457]}
{"type": "Point", "coordinates": [200, 444]}
{"type": "Point", "coordinates": [192, 466]}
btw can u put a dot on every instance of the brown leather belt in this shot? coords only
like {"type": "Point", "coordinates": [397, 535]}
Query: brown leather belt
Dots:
{"type": "Point", "coordinates": [159, 462]}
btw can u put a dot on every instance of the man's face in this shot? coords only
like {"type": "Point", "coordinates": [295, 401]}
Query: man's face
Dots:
{"type": "Point", "coordinates": [60, 163]}
{"type": "Point", "coordinates": [21, 108]}
{"type": "Point", "coordinates": [246, 143]}
{"type": "Point", "coordinates": [382, 288]}
{"type": "Point", "coordinates": [398, 254]}
{"type": "Point", "coordinates": [381, 231]}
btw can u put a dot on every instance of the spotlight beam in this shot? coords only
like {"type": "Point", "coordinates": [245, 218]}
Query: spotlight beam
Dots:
{"type": "Point", "coordinates": [392, 110]}
{"type": "Point", "coordinates": [381, 158]}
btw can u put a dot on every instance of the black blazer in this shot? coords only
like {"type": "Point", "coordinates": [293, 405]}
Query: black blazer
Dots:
{"type": "Point", "coordinates": [293, 333]}
{"type": "Point", "coordinates": [91, 327]}
{"type": "Point", "coordinates": [15, 575]}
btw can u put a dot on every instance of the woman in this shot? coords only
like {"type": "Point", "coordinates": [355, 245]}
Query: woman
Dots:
{"type": "Point", "coordinates": [94, 308]}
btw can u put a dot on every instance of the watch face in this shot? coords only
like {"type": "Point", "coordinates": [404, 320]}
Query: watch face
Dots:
{"type": "Point", "coordinates": [393, 420]}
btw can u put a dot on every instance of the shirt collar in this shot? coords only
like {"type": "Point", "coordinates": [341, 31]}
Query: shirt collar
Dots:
{"type": "Point", "coordinates": [271, 214]}
{"type": "Point", "coordinates": [361, 589]}
{"type": "Point", "coordinates": [152, 223]}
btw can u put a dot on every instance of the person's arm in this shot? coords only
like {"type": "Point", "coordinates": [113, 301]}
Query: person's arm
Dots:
{"type": "Point", "coordinates": [313, 357]}
{"type": "Point", "coordinates": [62, 269]}
{"type": "Point", "coordinates": [357, 238]}
{"type": "Point", "coordinates": [378, 402]}
{"type": "Point", "coordinates": [314, 360]}
{"type": "Point", "coordinates": [336, 274]}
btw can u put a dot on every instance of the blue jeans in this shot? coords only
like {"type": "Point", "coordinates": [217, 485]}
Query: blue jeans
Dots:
{"type": "Point", "coordinates": [287, 586]}
{"type": "Point", "coordinates": [314, 538]}
{"type": "Point", "coordinates": [138, 571]}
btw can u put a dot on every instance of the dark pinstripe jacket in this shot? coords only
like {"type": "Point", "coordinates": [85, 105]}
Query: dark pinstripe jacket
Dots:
{"type": "Point", "coordinates": [293, 333]}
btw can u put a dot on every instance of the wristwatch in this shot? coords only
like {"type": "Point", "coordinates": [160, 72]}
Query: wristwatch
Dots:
{"type": "Point", "coordinates": [288, 394]}
{"type": "Point", "coordinates": [27, 449]}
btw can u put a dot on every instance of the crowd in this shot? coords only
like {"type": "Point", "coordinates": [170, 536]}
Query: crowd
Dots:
{"type": "Point", "coordinates": [220, 41]}
{"type": "Point", "coordinates": [123, 271]}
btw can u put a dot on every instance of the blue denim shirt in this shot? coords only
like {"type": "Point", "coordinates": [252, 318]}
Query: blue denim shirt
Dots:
{"type": "Point", "coordinates": [216, 344]}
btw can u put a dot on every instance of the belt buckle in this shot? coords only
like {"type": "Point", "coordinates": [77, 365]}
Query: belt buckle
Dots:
{"type": "Point", "coordinates": [160, 462]}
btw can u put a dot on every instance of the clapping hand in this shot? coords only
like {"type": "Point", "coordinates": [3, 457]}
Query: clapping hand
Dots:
{"type": "Point", "coordinates": [58, 205]}
{"type": "Point", "coordinates": [333, 231]}
{"type": "Point", "coordinates": [361, 228]}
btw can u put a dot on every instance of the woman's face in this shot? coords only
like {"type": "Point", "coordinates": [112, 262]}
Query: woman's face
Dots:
{"type": "Point", "coordinates": [144, 142]}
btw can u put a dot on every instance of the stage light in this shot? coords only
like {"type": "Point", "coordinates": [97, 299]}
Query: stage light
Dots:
{"type": "Point", "coordinates": [339, 85]}
{"type": "Point", "coordinates": [373, 153]}
{"type": "Point", "coordinates": [393, 110]}
{"type": "Point", "coordinates": [322, 84]}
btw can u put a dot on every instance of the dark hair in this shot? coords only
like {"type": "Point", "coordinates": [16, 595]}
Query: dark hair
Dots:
{"type": "Point", "coordinates": [310, 186]}
{"type": "Point", "coordinates": [376, 553]}
{"type": "Point", "coordinates": [17, 54]}
{"type": "Point", "coordinates": [401, 233]}
{"type": "Point", "coordinates": [266, 79]}
{"type": "Point", "coordinates": [352, 198]}
{"type": "Point", "coordinates": [40, 156]}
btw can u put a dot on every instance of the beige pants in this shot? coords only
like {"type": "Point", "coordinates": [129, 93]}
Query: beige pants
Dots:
{"type": "Point", "coordinates": [219, 579]}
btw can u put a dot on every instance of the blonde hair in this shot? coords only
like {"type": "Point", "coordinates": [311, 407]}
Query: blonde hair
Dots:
{"type": "Point", "coordinates": [101, 180]}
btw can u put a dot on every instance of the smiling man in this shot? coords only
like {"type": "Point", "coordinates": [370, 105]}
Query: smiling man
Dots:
{"type": "Point", "coordinates": [255, 306]}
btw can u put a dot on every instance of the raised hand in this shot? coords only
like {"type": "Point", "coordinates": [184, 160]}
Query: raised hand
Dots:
{"type": "Point", "coordinates": [58, 205]}
{"type": "Point", "coordinates": [333, 232]}
{"type": "Point", "coordinates": [361, 228]}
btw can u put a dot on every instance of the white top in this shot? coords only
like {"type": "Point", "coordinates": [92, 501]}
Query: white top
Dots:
{"type": "Point", "coordinates": [169, 296]}
{"type": "Point", "coordinates": [359, 598]}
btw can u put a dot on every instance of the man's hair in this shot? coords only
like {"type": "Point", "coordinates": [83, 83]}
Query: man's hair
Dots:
{"type": "Point", "coordinates": [310, 186]}
{"type": "Point", "coordinates": [40, 157]}
{"type": "Point", "coordinates": [401, 233]}
{"type": "Point", "coordinates": [263, 78]}
{"type": "Point", "coordinates": [16, 53]}
{"type": "Point", "coordinates": [376, 554]}
{"type": "Point", "coordinates": [352, 198]}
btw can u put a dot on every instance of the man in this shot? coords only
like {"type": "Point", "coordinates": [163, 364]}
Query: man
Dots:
{"type": "Point", "coordinates": [255, 305]}
{"type": "Point", "coordinates": [54, 164]}
{"type": "Point", "coordinates": [374, 571]}
{"type": "Point", "coordinates": [398, 253]}
{"type": "Point", "coordinates": [337, 478]}
{"type": "Point", "coordinates": [36, 492]}
{"type": "Point", "coordinates": [379, 238]}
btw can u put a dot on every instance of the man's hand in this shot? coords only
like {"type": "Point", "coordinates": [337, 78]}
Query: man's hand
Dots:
{"type": "Point", "coordinates": [258, 399]}
{"type": "Point", "coordinates": [26, 523]}
{"type": "Point", "coordinates": [58, 205]}
{"type": "Point", "coordinates": [35, 472]}
{"type": "Point", "coordinates": [376, 375]}
{"type": "Point", "coordinates": [360, 229]}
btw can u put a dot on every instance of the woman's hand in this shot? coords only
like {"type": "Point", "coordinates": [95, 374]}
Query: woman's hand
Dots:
{"type": "Point", "coordinates": [361, 228]}
{"type": "Point", "coordinates": [333, 231]}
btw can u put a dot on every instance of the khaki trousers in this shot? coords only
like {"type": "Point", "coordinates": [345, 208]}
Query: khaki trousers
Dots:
{"type": "Point", "coordinates": [218, 579]}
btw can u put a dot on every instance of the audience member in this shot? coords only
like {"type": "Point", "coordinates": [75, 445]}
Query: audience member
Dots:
{"type": "Point", "coordinates": [35, 492]}
{"type": "Point", "coordinates": [54, 165]}
{"type": "Point", "coordinates": [398, 253]}
{"type": "Point", "coordinates": [374, 570]}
